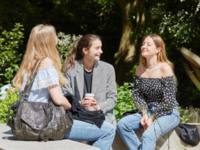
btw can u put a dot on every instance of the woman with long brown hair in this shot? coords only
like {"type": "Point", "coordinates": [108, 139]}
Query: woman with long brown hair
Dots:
{"type": "Point", "coordinates": [154, 95]}
{"type": "Point", "coordinates": [87, 74]}
{"type": "Point", "coordinates": [42, 45]}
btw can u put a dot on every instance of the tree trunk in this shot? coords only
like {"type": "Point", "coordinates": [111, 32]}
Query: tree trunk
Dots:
{"type": "Point", "coordinates": [127, 49]}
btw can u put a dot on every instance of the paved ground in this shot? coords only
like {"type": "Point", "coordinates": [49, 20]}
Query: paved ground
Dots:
{"type": "Point", "coordinates": [10, 142]}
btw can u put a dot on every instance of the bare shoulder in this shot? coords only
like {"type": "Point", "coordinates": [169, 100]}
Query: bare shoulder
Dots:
{"type": "Point", "coordinates": [166, 69]}
{"type": "Point", "coordinates": [47, 62]}
{"type": "Point", "coordinates": [139, 70]}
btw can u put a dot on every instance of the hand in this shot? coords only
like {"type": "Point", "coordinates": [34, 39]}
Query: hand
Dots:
{"type": "Point", "coordinates": [90, 104]}
{"type": "Point", "coordinates": [94, 104]}
{"type": "Point", "coordinates": [86, 102]}
{"type": "Point", "coordinates": [143, 122]}
{"type": "Point", "coordinates": [150, 121]}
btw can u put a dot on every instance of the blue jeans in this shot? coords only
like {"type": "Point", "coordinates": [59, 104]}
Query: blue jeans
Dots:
{"type": "Point", "coordinates": [82, 131]}
{"type": "Point", "coordinates": [162, 125]}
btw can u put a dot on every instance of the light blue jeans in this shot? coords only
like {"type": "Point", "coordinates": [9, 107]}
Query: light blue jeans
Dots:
{"type": "Point", "coordinates": [162, 125]}
{"type": "Point", "coordinates": [82, 131]}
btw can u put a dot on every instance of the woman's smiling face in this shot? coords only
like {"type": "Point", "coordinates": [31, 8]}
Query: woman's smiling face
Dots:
{"type": "Point", "coordinates": [95, 51]}
{"type": "Point", "coordinates": [148, 47]}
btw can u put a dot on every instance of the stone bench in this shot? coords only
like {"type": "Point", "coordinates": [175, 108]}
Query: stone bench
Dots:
{"type": "Point", "coordinates": [10, 142]}
{"type": "Point", "coordinates": [170, 141]}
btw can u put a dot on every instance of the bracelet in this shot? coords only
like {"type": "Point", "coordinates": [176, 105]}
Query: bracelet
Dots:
{"type": "Point", "coordinates": [144, 112]}
{"type": "Point", "coordinates": [153, 117]}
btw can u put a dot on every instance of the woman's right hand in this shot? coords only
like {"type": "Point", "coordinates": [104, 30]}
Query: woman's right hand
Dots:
{"type": "Point", "coordinates": [86, 102]}
{"type": "Point", "coordinates": [143, 122]}
{"type": "Point", "coordinates": [89, 104]}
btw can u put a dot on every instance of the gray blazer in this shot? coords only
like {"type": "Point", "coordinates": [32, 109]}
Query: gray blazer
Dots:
{"type": "Point", "coordinates": [103, 86]}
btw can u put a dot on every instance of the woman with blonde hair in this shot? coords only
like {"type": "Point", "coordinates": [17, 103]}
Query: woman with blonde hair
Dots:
{"type": "Point", "coordinates": [42, 45]}
{"type": "Point", "coordinates": [154, 95]}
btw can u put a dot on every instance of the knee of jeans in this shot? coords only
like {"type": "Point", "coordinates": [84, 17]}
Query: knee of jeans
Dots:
{"type": "Point", "coordinates": [120, 126]}
{"type": "Point", "coordinates": [112, 131]}
{"type": "Point", "coordinates": [147, 136]}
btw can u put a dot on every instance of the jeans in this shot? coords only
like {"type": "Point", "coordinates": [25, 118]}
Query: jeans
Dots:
{"type": "Point", "coordinates": [162, 125]}
{"type": "Point", "coordinates": [82, 131]}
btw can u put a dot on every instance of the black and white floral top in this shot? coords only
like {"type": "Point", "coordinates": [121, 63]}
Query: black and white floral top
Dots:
{"type": "Point", "coordinates": [161, 92]}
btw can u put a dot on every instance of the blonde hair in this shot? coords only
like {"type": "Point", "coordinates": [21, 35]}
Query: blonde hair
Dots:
{"type": "Point", "coordinates": [161, 56]}
{"type": "Point", "coordinates": [42, 43]}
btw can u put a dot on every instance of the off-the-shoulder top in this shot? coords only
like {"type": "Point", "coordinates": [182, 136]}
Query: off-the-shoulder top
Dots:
{"type": "Point", "coordinates": [45, 77]}
{"type": "Point", "coordinates": [161, 92]}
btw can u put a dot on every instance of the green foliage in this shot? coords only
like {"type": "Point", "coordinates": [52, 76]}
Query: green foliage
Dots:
{"type": "Point", "coordinates": [180, 110]}
{"type": "Point", "coordinates": [4, 105]}
{"type": "Point", "coordinates": [124, 100]}
{"type": "Point", "coordinates": [184, 118]}
{"type": "Point", "coordinates": [190, 115]}
{"type": "Point", "coordinates": [9, 57]}
{"type": "Point", "coordinates": [65, 43]}
{"type": "Point", "coordinates": [132, 71]}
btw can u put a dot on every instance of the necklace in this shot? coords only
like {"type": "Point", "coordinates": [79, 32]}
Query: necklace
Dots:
{"type": "Point", "coordinates": [152, 66]}
{"type": "Point", "coordinates": [88, 70]}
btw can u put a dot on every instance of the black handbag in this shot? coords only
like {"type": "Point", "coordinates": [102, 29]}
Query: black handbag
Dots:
{"type": "Point", "coordinates": [188, 134]}
{"type": "Point", "coordinates": [37, 121]}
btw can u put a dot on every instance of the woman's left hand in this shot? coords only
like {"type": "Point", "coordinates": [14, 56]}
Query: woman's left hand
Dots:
{"type": "Point", "coordinates": [150, 121]}
{"type": "Point", "coordinates": [94, 104]}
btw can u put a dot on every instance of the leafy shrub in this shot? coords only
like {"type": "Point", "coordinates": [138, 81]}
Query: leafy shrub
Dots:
{"type": "Point", "coordinates": [9, 57]}
{"type": "Point", "coordinates": [65, 43]}
{"type": "Point", "coordinates": [4, 105]}
{"type": "Point", "coordinates": [190, 115]}
{"type": "Point", "coordinates": [124, 100]}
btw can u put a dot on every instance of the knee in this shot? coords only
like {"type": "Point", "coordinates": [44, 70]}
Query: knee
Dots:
{"type": "Point", "coordinates": [121, 125]}
{"type": "Point", "coordinates": [112, 131]}
{"type": "Point", "coordinates": [148, 136]}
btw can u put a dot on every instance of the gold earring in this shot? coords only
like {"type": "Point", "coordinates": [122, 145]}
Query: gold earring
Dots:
{"type": "Point", "coordinates": [158, 53]}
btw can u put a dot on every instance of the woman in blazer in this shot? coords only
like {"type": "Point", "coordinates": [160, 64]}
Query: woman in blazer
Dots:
{"type": "Point", "coordinates": [87, 74]}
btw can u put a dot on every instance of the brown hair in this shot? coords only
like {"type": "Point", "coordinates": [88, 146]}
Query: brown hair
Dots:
{"type": "Point", "coordinates": [76, 52]}
{"type": "Point", "coordinates": [161, 56]}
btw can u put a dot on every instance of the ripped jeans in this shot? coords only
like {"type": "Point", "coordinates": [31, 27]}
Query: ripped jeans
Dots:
{"type": "Point", "coordinates": [162, 125]}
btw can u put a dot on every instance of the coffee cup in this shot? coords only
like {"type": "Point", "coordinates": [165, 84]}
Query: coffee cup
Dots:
{"type": "Point", "coordinates": [90, 95]}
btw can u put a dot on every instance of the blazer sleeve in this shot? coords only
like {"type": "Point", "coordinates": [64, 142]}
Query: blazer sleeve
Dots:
{"type": "Point", "coordinates": [111, 92]}
{"type": "Point", "coordinates": [67, 88]}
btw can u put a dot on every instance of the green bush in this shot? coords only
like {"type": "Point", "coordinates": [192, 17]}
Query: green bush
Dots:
{"type": "Point", "coordinates": [9, 57]}
{"type": "Point", "coordinates": [124, 100]}
{"type": "Point", "coordinates": [4, 105]}
{"type": "Point", "coordinates": [65, 43]}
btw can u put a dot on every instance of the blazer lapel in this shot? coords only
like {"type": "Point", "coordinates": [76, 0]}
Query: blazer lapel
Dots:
{"type": "Point", "coordinates": [79, 77]}
{"type": "Point", "coordinates": [95, 78]}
